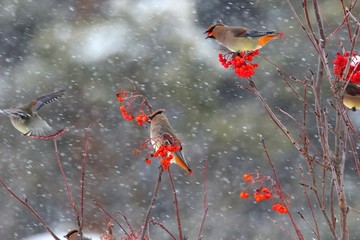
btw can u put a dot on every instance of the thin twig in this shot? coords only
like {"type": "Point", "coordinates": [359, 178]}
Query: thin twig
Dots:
{"type": "Point", "coordinates": [288, 115]}
{"type": "Point", "coordinates": [176, 205]}
{"type": "Point", "coordinates": [314, 39]}
{"type": "Point", "coordinates": [296, 93]}
{"type": "Point", "coordinates": [71, 200]}
{"type": "Point", "coordinates": [205, 199]}
{"type": "Point", "coordinates": [352, 48]}
{"type": "Point", "coordinates": [112, 218]}
{"type": "Point", "coordinates": [354, 210]}
{"type": "Point", "coordinates": [82, 181]}
{"type": "Point", "coordinates": [302, 25]}
{"type": "Point", "coordinates": [126, 221]}
{"type": "Point", "coordinates": [314, 188]}
{"type": "Point", "coordinates": [316, 231]}
{"type": "Point", "coordinates": [332, 204]}
{"type": "Point", "coordinates": [152, 202]}
{"type": "Point", "coordinates": [346, 13]}
{"type": "Point", "coordinates": [308, 224]}
{"type": "Point", "coordinates": [27, 206]}
{"type": "Point", "coordinates": [352, 16]}
{"type": "Point", "coordinates": [279, 190]}
{"type": "Point", "coordinates": [163, 227]}
{"type": "Point", "coordinates": [345, 20]}
{"type": "Point", "coordinates": [273, 116]}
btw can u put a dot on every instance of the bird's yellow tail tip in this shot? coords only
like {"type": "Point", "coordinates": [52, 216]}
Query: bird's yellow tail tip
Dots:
{"type": "Point", "coordinates": [180, 162]}
{"type": "Point", "coordinates": [267, 38]}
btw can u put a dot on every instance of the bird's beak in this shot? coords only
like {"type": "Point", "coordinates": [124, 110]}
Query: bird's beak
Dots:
{"type": "Point", "coordinates": [209, 34]}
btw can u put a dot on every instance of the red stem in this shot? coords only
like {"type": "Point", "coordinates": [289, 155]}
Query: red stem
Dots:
{"type": "Point", "coordinates": [114, 219]}
{"type": "Point", "coordinates": [280, 192]}
{"type": "Point", "coordinates": [205, 201]}
{"type": "Point", "coordinates": [126, 221]}
{"type": "Point", "coordinates": [176, 204]}
{"type": "Point", "coordinates": [163, 227]}
{"type": "Point", "coordinates": [153, 199]}
{"type": "Point", "coordinates": [27, 206]}
{"type": "Point", "coordinates": [82, 181]}
{"type": "Point", "coordinates": [316, 232]}
{"type": "Point", "coordinates": [71, 200]}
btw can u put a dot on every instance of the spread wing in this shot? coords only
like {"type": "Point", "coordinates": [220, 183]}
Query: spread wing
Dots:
{"type": "Point", "coordinates": [13, 112]}
{"type": "Point", "coordinates": [38, 128]}
{"type": "Point", "coordinates": [43, 100]}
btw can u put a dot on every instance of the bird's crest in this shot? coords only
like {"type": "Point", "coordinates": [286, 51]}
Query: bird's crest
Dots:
{"type": "Point", "coordinates": [211, 28]}
{"type": "Point", "coordinates": [151, 116]}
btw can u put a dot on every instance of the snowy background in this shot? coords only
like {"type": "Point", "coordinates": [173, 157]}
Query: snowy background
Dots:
{"type": "Point", "coordinates": [90, 48]}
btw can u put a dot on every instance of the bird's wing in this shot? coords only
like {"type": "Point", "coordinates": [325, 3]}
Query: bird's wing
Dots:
{"type": "Point", "coordinates": [15, 113]}
{"type": "Point", "coordinates": [238, 31]}
{"type": "Point", "coordinates": [43, 100]}
{"type": "Point", "coordinates": [178, 156]}
{"type": "Point", "coordinates": [38, 128]}
{"type": "Point", "coordinates": [170, 139]}
{"type": "Point", "coordinates": [352, 89]}
{"type": "Point", "coordinates": [252, 33]}
{"type": "Point", "coordinates": [168, 134]}
{"type": "Point", "coordinates": [163, 134]}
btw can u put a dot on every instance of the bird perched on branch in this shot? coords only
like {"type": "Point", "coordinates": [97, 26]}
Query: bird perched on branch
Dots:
{"type": "Point", "coordinates": [26, 120]}
{"type": "Point", "coordinates": [352, 96]}
{"type": "Point", "coordinates": [239, 39]}
{"type": "Point", "coordinates": [162, 134]}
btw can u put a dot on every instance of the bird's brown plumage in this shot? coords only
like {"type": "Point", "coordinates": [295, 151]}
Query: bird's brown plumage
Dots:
{"type": "Point", "coordinates": [352, 96]}
{"type": "Point", "coordinates": [161, 133]}
{"type": "Point", "coordinates": [27, 121]}
{"type": "Point", "coordinates": [238, 38]}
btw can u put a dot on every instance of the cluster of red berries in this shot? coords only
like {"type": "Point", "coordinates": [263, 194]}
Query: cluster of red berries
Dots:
{"type": "Point", "coordinates": [340, 62]}
{"type": "Point", "coordinates": [247, 177]}
{"type": "Point", "coordinates": [280, 208]}
{"type": "Point", "coordinates": [164, 152]}
{"type": "Point", "coordinates": [127, 98]}
{"type": "Point", "coordinates": [259, 195]}
{"type": "Point", "coordinates": [141, 119]}
{"type": "Point", "coordinates": [263, 193]}
{"type": "Point", "coordinates": [125, 114]}
{"type": "Point", "coordinates": [244, 195]}
{"type": "Point", "coordinates": [241, 63]}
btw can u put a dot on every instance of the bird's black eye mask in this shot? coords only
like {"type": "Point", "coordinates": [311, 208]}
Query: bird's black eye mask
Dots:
{"type": "Point", "coordinates": [151, 116]}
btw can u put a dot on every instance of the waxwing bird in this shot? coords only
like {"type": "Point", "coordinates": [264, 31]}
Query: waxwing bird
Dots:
{"type": "Point", "coordinates": [162, 134]}
{"type": "Point", "coordinates": [74, 235]}
{"type": "Point", "coordinates": [26, 120]}
{"type": "Point", "coordinates": [239, 39]}
{"type": "Point", "coordinates": [352, 96]}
